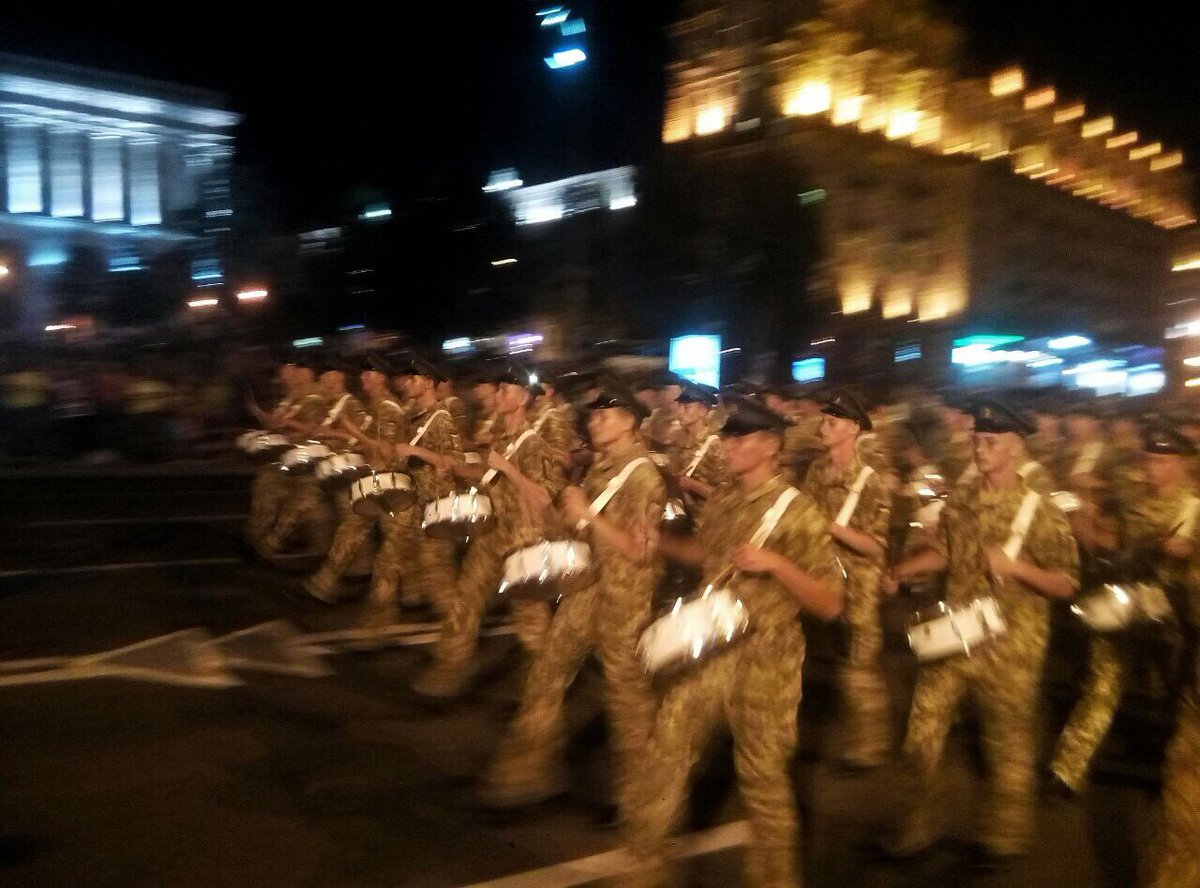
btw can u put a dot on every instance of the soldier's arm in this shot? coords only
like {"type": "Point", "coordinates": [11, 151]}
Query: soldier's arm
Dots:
{"type": "Point", "coordinates": [1049, 561]}
{"type": "Point", "coordinates": [634, 512]}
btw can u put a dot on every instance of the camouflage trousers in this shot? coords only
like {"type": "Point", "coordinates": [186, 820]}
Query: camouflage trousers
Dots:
{"type": "Point", "coordinates": [1003, 682]}
{"type": "Point", "coordinates": [398, 548]}
{"type": "Point", "coordinates": [1175, 862]}
{"type": "Point", "coordinates": [1093, 713]}
{"type": "Point", "coordinates": [268, 492]}
{"type": "Point", "coordinates": [478, 585]}
{"type": "Point", "coordinates": [755, 689]}
{"type": "Point", "coordinates": [867, 735]}
{"type": "Point", "coordinates": [607, 622]}
{"type": "Point", "coordinates": [306, 509]}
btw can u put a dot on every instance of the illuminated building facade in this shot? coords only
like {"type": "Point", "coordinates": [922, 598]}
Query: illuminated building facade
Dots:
{"type": "Point", "coordinates": [125, 167]}
{"type": "Point", "coordinates": [942, 201]}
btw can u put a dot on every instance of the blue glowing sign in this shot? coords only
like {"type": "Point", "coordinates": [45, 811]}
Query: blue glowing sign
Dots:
{"type": "Point", "coordinates": [808, 370]}
{"type": "Point", "coordinates": [696, 357]}
{"type": "Point", "coordinates": [565, 58]}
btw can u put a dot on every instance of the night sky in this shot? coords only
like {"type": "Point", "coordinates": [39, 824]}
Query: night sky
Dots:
{"type": "Point", "coordinates": [424, 100]}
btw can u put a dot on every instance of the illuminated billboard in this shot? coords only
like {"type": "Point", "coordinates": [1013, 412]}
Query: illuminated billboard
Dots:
{"type": "Point", "coordinates": [696, 357]}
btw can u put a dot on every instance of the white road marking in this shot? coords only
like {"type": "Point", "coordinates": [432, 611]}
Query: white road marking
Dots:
{"type": "Point", "coordinates": [614, 863]}
{"type": "Point", "coordinates": [129, 565]}
{"type": "Point", "coordinates": [102, 522]}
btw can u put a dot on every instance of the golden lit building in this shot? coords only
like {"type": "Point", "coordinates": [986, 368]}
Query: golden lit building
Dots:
{"type": "Point", "coordinates": [943, 201]}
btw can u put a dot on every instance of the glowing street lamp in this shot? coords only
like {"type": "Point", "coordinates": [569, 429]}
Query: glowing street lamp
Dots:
{"type": "Point", "coordinates": [3, 270]}
{"type": "Point", "coordinates": [255, 295]}
{"type": "Point", "coordinates": [204, 302]}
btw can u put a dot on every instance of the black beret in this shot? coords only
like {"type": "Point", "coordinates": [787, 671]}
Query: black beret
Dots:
{"type": "Point", "coordinates": [614, 393]}
{"type": "Point", "coordinates": [378, 363]}
{"type": "Point", "coordinates": [698, 393]}
{"type": "Point", "coordinates": [846, 406]}
{"type": "Point", "coordinates": [992, 415]}
{"type": "Point", "coordinates": [1162, 437]}
{"type": "Point", "coordinates": [747, 415]}
{"type": "Point", "coordinates": [511, 373]}
{"type": "Point", "coordinates": [418, 366]}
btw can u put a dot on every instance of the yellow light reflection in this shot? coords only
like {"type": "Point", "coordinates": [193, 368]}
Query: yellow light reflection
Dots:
{"type": "Point", "coordinates": [1144, 151]}
{"type": "Point", "coordinates": [1097, 127]}
{"type": "Point", "coordinates": [1166, 161]}
{"type": "Point", "coordinates": [1040, 98]}
{"type": "Point", "coordinates": [848, 110]}
{"type": "Point", "coordinates": [1069, 113]}
{"type": "Point", "coordinates": [1122, 140]}
{"type": "Point", "coordinates": [813, 97]}
{"type": "Point", "coordinates": [902, 124]}
{"type": "Point", "coordinates": [710, 120]}
{"type": "Point", "coordinates": [1007, 82]}
{"type": "Point", "coordinates": [856, 289]}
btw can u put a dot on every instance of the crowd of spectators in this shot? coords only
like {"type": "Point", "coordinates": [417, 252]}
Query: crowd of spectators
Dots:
{"type": "Point", "coordinates": [138, 408]}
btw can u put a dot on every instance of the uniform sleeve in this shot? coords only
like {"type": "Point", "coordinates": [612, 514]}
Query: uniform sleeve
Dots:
{"type": "Point", "coordinates": [355, 413]}
{"type": "Point", "coordinates": [392, 425]}
{"type": "Point", "coordinates": [1050, 544]}
{"type": "Point", "coordinates": [536, 461]}
{"type": "Point", "coordinates": [712, 470]}
{"type": "Point", "coordinates": [557, 434]}
{"type": "Point", "coordinates": [312, 409]}
{"type": "Point", "coordinates": [442, 436]}
{"type": "Point", "coordinates": [806, 541]}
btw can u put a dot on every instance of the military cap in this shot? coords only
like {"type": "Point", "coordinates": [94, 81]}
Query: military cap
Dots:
{"type": "Point", "coordinates": [698, 393]}
{"type": "Point", "coordinates": [614, 393]}
{"type": "Point", "coordinates": [662, 378]}
{"type": "Point", "coordinates": [334, 362]}
{"type": "Point", "coordinates": [846, 406]}
{"type": "Point", "coordinates": [992, 415]}
{"type": "Point", "coordinates": [537, 390]}
{"type": "Point", "coordinates": [748, 415]}
{"type": "Point", "coordinates": [418, 366]}
{"type": "Point", "coordinates": [378, 363]}
{"type": "Point", "coordinates": [512, 373]}
{"type": "Point", "coordinates": [1162, 437]}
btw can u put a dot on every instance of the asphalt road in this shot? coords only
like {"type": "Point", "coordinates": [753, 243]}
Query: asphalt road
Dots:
{"type": "Point", "coordinates": [347, 779]}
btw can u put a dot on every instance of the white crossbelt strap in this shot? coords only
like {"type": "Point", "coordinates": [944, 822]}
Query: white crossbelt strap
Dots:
{"type": "Point", "coordinates": [699, 457]}
{"type": "Point", "coordinates": [599, 503]}
{"type": "Point", "coordinates": [851, 503]}
{"type": "Point", "coordinates": [512, 448]}
{"type": "Point", "coordinates": [423, 429]}
{"type": "Point", "coordinates": [1020, 525]}
{"type": "Point", "coordinates": [772, 518]}
{"type": "Point", "coordinates": [1088, 457]}
{"type": "Point", "coordinates": [541, 420]}
{"type": "Point", "coordinates": [1187, 517]}
{"type": "Point", "coordinates": [336, 410]}
{"type": "Point", "coordinates": [1027, 468]}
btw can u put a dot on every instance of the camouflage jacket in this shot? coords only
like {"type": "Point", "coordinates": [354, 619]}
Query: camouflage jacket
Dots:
{"type": "Point", "coordinates": [829, 486]}
{"type": "Point", "coordinates": [515, 526]}
{"type": "Point", "coordinates": [710, 470]}
{"type": "Point", "coordinates": [441, 437]}
{"type": "Point", "coordinates": [802, 536]}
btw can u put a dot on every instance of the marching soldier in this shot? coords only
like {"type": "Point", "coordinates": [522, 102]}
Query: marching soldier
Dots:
{"type": "Point", "coordinates": [856, 501]}
{"type": "Point", "coordinates": [307, 503]}
{"type": "Point", "coordinates": [553, 420]}
{"type": "Point", "coordinates": [956, 421]}
{"type": "Point", "coordinates": [802, 439]}
{"type": "Point", "coordinates": [387, 425]}
{"type": "Point", "coordinates": [483, 392]}
{"type": "Point", "coordinates": [1160, 536]}
{"type": "Point", "coordinates": [448, 395]}
{"type": "Point", "coordinates": [978, 523]}
{"type": "Point", "coordinates": [528, 476]}
{"type": "Point", "coordinates": [697, 460]}
{"type": "Point", "coordinates": [302, 406]}
{"type": "Point", "coordinates": [606, 617]}
{"type": "Point", "coordinates": [754, 687]}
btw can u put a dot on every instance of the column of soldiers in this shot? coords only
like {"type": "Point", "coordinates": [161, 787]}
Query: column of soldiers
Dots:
{"type": "Point", "coordinates": [848, 491]}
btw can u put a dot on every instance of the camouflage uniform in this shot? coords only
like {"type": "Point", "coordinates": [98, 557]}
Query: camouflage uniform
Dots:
{"type": "Point", "coordinates": [556, 426]}
{"type": "Point", "coordinates": [662, 427]}
{"type": "Point", "coordinates": [1147, 523]}
{"type": "Point", "coordinates": [753, 687]}
{"type": "Point", "coordinates": [271, 487]}
{"type": "Point", "coordinates": [482, 568]}
{"type": "Point", "coordinates": [435, 569]}
{"type": "Point", "coordinates": [710, 470]}
{"type": "Point", "coordinates": [387, 423]}
{"type": "Point", "coordinates": [1003, 677]}
{"type": "Point", "coordinates": [864, 688]}
{"type": "Point", "coordinates": [606, 617]}
{"type": "Point", "coordinates": [801, 445]}
{"type": "Point", "coordinates": [308, 503]}
{"type": "Point", "coordinates": [1176, 859]}
{"type": "Point", "coordinates": [957, 456]}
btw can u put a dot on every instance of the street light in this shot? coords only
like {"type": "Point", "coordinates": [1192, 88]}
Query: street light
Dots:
{"type": "Point", "coordinates": [206, 302]}
{"type": "Point", "coordinates": [252, 295]}
{"type": "Point", "coordinates": [3, 270]}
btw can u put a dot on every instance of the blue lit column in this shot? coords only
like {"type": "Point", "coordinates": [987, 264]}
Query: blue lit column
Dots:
{"type": "Point", "coordinates": [23, 170]}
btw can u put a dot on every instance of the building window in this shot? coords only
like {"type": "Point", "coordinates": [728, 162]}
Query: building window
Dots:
{"type": "Point", "coordinates": [66, 174]}
{"type": "Point", "coordinates": [108, 180]}
{"type": "Point", "coordinates": [144, 205]}
{"type": "Point", "coordinates": [24, 170]}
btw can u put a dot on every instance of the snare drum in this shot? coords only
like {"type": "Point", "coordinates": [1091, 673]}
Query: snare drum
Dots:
{"type": "Point", "coordinates": [1117, 606]}
{"type": "Point", "coordinates": [341, 468]}
{"type": "Point", "coordinates": [943, 631]}
{"type": "Point", "coordinates": [459, 516]}
{"type": "Point", "coordinates": [381, 493]}
{"type": "Point", "coordinates": [304, 458]}
{"type": "Point", "coordinates": [547, 570]}
{"type": "Point", "coordinates": [694, 630]}
{"type": "Point", "coordinates": [245, 441]}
